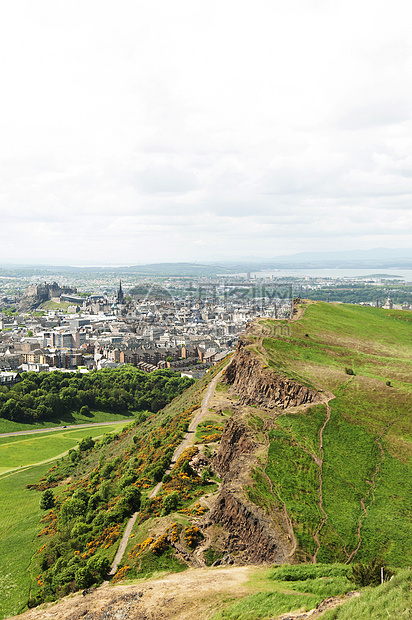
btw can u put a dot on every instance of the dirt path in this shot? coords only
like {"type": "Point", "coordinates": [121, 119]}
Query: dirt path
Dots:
{"type": "Point", "coordinates": [370, 493]}
{"type": "Point", "coordinates": [195, 593]}
{"type": "Point", "coordinates": [320, 463]}
{"type": "Point", "coordinates": [187, 441]}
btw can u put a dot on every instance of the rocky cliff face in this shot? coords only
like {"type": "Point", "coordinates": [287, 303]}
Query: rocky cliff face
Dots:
{"type": "Point", "coordinates": [257, 533]}
{"type": "Point", "coordinates": [236, 442]}
{"type": "Point", "coordinates": [257, 385]}
{"type": "Point", "coordinates": [254, 534]}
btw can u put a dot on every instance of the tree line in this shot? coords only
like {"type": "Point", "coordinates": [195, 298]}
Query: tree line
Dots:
{"type": "Point", "coordinates": [47, 395]}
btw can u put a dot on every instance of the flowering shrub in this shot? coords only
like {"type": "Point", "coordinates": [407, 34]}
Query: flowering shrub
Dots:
{"type": "Point", "coordinates": [121, 573]}
{"type": "Point", "coordinates": [196, 511]}
{"type": "Point", "coordinates": [174, 533]}
{"type": "Point", "coordinates": [192, 536]}
{"type": "Point", "coordinates": [210, 438]}
{"type": "Point", "coordinates": [105, 540]}
{"type": "Point", "coordinates": [186, 455]}
{"type": "Point", "coordinates": [139, 548]}
{"type": "Point", "coordinates": [161, 544]}
{"type": "Point", "coordinates": [51, 519]}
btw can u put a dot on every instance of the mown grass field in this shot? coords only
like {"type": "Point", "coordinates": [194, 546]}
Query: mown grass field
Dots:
{"type": "Point", "coordinates": [363, 356]}
{"type": "Point", "coordinates": [24, 450]}
{"type": "Point", "coordinates": [19, 508]}
{"type": "Point", "coordinates": [95, 417]}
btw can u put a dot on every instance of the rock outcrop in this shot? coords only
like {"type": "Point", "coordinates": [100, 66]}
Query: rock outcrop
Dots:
{"type": "Point", "coordinates": [236, 442]}
{"type": "Point", "coordinates": [258, 533]}
{"type": "Point", "coordinates": [261, 386]}
{"type": "Point", "coordinates": [252, 533]}
{"type": "Point", "coordinates": [255, 535]}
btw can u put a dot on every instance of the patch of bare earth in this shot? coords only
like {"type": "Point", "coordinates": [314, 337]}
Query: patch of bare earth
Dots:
{"type": "Point", "coordinates": [328, 603]}
{"type": "Point", "coordinates": [193, 594]}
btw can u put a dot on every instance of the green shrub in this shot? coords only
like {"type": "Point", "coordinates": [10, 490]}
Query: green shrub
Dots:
{"type": "Point", "coordinates": [84, 577]}
{"type": "Point", "coordinates": [47, 500]}
{"type": "Point", "coordinates": [170, 503]}
{"type": "Point", "coordinates": [370, 574]}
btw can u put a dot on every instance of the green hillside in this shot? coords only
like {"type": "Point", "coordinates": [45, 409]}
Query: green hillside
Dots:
{"type": "Point", "coordinates": [351, 498]}
{"type": "Point", "coordinates": [97, 486]}
{"type": "Point", "coordinates": [338, 472]}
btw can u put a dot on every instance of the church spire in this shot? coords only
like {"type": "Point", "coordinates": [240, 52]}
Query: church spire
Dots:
{"type": "Point", "coordinates": [120, 295]}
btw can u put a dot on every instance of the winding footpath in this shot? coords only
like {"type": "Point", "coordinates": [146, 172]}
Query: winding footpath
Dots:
{"type": "Point", "coordinates": [320, 465]}
{"type": "Point", "coordinates": [186, 442]}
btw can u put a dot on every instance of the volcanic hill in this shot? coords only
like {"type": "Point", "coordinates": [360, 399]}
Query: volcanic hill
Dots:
{"type": "Point", "coordinates": [304, 456]}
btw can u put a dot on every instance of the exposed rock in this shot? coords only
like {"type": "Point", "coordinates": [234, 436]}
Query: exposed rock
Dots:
{"type": "Point", "coordinates": [261, 386]}
{"type": "Point", "coordinates": [236, 441]}
{"type": "Point", "coordinates": [36, 294]}
{"type": "Point", "coordinates": [254, 535]}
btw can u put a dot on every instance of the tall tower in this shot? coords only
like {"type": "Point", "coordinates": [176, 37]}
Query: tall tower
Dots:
{"type": "Point", "coordinates": [120, 296]}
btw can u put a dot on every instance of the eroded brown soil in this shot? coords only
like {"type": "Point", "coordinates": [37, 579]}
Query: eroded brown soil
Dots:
{"type": "Point", "coordinates": [193, 594]}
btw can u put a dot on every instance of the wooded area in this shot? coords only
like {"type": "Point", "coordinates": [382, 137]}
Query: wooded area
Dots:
{"type": "Point", "coordinates": [45, 395]}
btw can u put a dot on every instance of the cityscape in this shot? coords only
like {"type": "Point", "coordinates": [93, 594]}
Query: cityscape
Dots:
{"type": "Point", "coordinates": [187, 324]}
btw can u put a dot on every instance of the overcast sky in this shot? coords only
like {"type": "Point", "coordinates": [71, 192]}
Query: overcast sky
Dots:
{"type": "Point", "coordinates": [169, 130]}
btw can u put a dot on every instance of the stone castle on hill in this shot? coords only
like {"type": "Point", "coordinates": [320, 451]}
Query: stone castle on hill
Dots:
{"type": "Point", "coordinates": [37, 294]}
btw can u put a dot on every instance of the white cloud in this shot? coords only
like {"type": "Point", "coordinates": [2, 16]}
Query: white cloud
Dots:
{"type": "Point", "coordinates": [190, 131]}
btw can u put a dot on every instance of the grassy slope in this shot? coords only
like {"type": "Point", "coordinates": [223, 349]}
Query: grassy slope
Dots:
{"type": "Point", "coordinates": [390, 600]}
{"type": "Point", "coordinates": [367, 444]}
{"type": "Point", "coordinates": [19, 509]}
{"type": "Point", "coordinates": [19, 526]}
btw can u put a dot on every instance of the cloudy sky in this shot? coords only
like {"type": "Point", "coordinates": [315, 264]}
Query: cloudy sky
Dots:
{"type": "Point", "coordinates": [169, 130]}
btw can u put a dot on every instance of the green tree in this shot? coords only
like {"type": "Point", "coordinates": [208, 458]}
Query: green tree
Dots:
{"type": "Point", "coordinates": [47, 500]}
{"type": "Point", "coordinates": [85, 410]}
{"type": "Point", "coordinates": [84, 577]}
{"type": "Point", "coordinates": [86, 443]}
{"type": "Point", "coordinates": [170, 503]}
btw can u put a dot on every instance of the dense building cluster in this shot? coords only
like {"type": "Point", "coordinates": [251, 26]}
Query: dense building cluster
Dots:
{"type": "Point", "coordinates": [187, 332]}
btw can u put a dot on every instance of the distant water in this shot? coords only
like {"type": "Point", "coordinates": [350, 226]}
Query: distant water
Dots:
{"type": "Point", "coordinates": [401, 274]}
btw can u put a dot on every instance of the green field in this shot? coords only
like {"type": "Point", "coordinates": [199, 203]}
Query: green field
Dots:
{"type": "Point", "coordinates": [363, 356]}
{"type": "Point", "coordinates": [19, 526]}
{"type": "Point", "coordinates": [19, 508]}
{"type": "Point", "coordinates": [26, 450]}
{"type": "Point", "coordinates": [95, 417]}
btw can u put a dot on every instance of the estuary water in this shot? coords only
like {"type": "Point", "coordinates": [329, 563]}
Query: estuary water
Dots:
{"type": "Point", "coordinates": [395, 274]}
